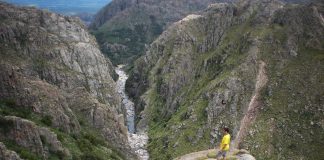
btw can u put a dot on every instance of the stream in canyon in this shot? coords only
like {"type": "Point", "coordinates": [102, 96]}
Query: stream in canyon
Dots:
{"type": "Point", "coordinates": [137, 139]}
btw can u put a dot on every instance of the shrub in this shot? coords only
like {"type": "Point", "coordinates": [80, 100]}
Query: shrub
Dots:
{"type": "Point", "coordinates": [23, 152]}
{"type": "Point", "coordinates": [28, 155]}
{"type": "Point", "coordinates": [47, 120]}
{"type": "Point", "coordinates": [8, 107]}
{"type": "Point", "coordinates": [85, 145]}
{"type": "Point", "coordinates": [5, 125]}
{"type": "Point", "coordinates": [94, 139]}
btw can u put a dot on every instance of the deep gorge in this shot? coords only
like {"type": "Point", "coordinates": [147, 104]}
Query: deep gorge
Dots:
{"type": "Point", "coordinates": [191, 68]}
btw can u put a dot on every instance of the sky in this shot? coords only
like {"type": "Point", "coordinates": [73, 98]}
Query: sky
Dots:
{"type": "Point", "coordinates": [68, 7]}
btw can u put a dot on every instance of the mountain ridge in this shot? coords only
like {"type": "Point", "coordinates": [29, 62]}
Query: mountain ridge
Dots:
{"type": "Point", "coordinates": [125, 28]}
{"type": "Point", "coordinates": [201, 74]}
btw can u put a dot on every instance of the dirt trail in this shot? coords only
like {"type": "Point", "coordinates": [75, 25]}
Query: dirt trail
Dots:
{"type": "Point", "coordinates": [254, 105]}
{"type": "Point", "coordinates": [319, 15]}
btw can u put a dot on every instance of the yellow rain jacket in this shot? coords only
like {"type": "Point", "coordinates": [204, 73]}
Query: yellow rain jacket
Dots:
{"type": "Point", "coordinates": [225, 142]}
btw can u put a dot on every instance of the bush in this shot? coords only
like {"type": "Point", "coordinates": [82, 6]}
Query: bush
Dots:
{"type": "Point", "coordinates": [85, 145]}
{"type": "Point", "coordinates": [8, 107]}
{"type": "Point", "coordinates": [94, 139]}
{"type": "Point", "coordinates": [91, 156]}
{"type": "Point", "coordinates": [47, 120]}
{"type": "Point", "coordinates": [211, 154]}
{"type": "Point", "coordinates": [57, 155]}
{"type": "Point", "coordinates": [5, 125]}
{"type": "Point", "coordinates": [23, 152]}
{"type": "Point", "coordinates": [28, 155]}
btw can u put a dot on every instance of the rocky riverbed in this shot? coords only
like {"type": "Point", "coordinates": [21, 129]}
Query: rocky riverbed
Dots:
{"type": "Point", "coordinates": [137, 140]}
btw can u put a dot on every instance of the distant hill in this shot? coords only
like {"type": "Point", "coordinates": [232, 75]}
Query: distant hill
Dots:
{"type": "Point", "coordinates": [84, 9]}
{"type": "Point", "coordinates": [65, 7]}
{"type": "Point", "coordinates": [124, 28]}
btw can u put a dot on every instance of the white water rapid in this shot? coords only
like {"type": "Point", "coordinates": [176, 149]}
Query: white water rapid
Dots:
{"type": "Point", "coordinates": [137, 140]}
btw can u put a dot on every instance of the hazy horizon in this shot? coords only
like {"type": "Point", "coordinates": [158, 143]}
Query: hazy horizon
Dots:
{"type": "Point", "coordinates": [71, 7]}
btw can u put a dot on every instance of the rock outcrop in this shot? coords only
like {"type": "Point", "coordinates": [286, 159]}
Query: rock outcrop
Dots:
{"type": "Point", "coordinates": [211, 155]}
{"type": "Point", "coordinates": [57, 94]}
{"type": "Point", "coordinates": [202, 73]}
{"type": "Point", "coordinates": [7, 154]}
{"type": "Point", "coordinates": [27, 134]}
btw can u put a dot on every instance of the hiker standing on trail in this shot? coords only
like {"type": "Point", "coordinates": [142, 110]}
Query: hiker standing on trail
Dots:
{"type": "Point", "coordinates": [224, 146]}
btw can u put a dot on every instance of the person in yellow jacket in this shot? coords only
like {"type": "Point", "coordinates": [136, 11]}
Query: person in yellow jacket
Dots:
{"type": "Point", "coordinates": [224, 146]}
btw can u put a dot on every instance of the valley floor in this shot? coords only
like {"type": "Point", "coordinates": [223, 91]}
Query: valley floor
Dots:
{"type": "Point", "coordinates": [137, 140]}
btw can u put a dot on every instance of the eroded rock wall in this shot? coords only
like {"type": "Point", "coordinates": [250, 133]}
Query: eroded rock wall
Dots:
{"type": "Point", "coordinates": [55, 80]}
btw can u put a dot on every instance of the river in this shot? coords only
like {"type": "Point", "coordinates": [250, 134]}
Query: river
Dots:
{"type": "Point", "coordinates": [137, 140]}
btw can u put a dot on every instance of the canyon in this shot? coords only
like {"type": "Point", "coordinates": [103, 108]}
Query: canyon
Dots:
{"type": "Point", "coordinates": [160, 79]}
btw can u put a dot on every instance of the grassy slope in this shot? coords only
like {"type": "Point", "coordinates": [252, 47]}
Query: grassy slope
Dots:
{"type": "Point", "coordinates": [289, 124]}
{"type": "Point", "coordinates": [209, 81]}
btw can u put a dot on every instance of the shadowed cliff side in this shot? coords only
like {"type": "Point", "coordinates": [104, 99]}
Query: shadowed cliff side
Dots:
{"type": "Point", "coordinates": [57, 96]}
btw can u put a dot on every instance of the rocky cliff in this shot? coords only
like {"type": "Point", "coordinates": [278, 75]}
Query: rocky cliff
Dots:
{"type": "Point", "coordinates": [253, 66]}
{"type": "Point", "coordinates": [57, 96]}
{"type": "Point", "coordinates": [125, 27]}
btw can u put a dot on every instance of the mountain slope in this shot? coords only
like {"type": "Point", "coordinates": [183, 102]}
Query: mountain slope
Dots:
{"type": "Point", "coordinates": [124, 27]}
{"type": "Point", "coordinates": [57, 96]}
{"type": "Point", "coordinates": [253, 66]}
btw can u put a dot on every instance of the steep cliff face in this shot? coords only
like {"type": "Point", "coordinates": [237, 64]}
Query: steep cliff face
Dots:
{"type": "Point", "coordinates": [253, 66]}
{"type": "Point", "coordinates": [123, 28]}
{"type": "Point", "coordinates": [110, 10]}
{"type": "Point", "coordinates": [57, 95]}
